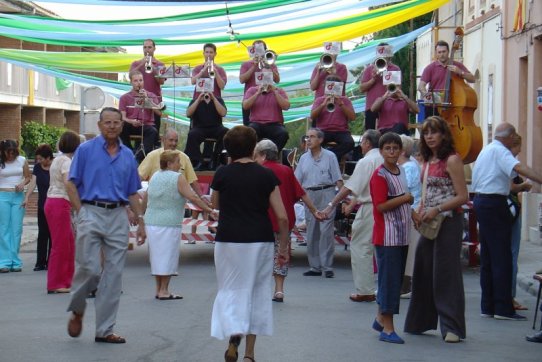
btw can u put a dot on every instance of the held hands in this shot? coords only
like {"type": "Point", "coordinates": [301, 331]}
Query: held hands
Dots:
{"type": "Point", "coordinates": [283, 257]}
{"type": "Point", "coordinates": [19, 187]}
{"type": "Point", "coordinates": [141, 235]}
{"type": "Point", "coordinates": [526, 186]}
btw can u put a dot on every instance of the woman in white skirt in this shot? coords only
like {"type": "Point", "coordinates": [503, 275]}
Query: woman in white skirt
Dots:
{"type": "Point", "coordinates": [163, 204]}
{"type": "Point", "coordinates": [243, 191]}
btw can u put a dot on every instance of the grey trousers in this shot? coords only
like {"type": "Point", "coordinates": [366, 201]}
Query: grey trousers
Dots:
{"type": "Point", "coordinates": [98, 230]}
{"type": "Point", "coordinates": [437, 283]}
{"type": "Point", "coordinates": [320, 235]}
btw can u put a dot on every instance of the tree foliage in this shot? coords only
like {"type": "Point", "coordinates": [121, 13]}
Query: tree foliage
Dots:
{"type": "Point", "coordinates": [34, 134]}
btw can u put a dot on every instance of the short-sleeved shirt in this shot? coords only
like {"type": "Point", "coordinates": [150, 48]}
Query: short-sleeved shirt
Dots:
{"type": "Point", "coordinates": [151, 164]}
{"type": "Point", "coordinates": [393, 111]}
{"type": "Point", "coordinates": [12, 173]}
{"type": "Point", "coordinates": [58, 171]}
{"type": "Point", "coordinates": [435, 75]}
{"type": "Point", "coordinates": [244, 190]}
{"type": "Point", "coordinates": [206, 115]}
{"type": "Point", "coordinates": [321, 171]}
{"type": "Point", "coordinates": [216, 90]}
{"type": "Point", "coordinates": [42, 182]}
{"type": "Point", "coordinates": [378, 89]}
{"type": "Point", "coordinates": [493, 170]}
{"type": "Point", "coordinates": [290, 192]}
{"type": "Point", "coordinates": [340, 71]}
{"type": "Point", "coordinates": [251, 82]}
{"type": "Point", "coordinates": [99, 176]}
{"type": "Point", "coordinates": [358, 183]}
{"type": "Point", "coordinates": [128, 101]}
{"type": "Point", "coordinates": [150, 82]}
{"type": "Point", "coordinates": [392, 227]}
{"type": "Point", "coordinates": [265, 108]}
{"type": "Point", "coordinates": [332, 121]}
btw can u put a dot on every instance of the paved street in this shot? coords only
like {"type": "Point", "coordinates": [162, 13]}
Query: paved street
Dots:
{"type": "Point", "coordinates": [317, 322]}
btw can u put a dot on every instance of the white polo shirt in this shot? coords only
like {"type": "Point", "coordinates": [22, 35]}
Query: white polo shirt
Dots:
{"type": "Point", "coordinates": [493, 170]}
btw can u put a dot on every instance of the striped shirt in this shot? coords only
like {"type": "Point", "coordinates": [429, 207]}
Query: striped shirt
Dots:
{"type": "Point", "coordinates": [391, 228]}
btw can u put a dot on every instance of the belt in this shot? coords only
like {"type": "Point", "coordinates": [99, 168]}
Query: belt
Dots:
{"type": "Point", "coordinates": [318, 188]}
{"type": "Point", "coordinates": [105, 205]}
{"type": "Point", "coordinates": [491, 196]}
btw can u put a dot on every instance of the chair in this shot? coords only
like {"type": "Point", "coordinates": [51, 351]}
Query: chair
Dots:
{"type": "Point", "coordinates": [210, 143]}
{"type": "Point", "coordinates": [538, 278]}
{"type": "Point", "coordinates": [292, 157]}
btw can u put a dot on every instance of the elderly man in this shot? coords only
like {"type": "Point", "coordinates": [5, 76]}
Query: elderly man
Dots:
{"type": "Point", "coordinates": [372, 83]}
{"type": "Point", "coordinates": [361, 244]}
{"type": "Point", "coordinates": [491, 176]}
{"type": "Point", "coordinates": [151, 163]}
{"type": "Point", "coordinates": [247, 75]}
{"type": "Point", "coordinates": [152, 82]}
{"type": "Point", "coordinates": [318, 173]}
{"type": "Point", "coordinates": [102, 179]}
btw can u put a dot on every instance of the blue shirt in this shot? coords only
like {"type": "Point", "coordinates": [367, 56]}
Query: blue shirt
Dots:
{"type": "Point", "coordinates": [493, 170]}
{"type": "Point", "coordinates": [412, 173]}
{"type": "Point", "coordinates": [99, 176]}
{"type": "Point", "coordinates": [324, 170]}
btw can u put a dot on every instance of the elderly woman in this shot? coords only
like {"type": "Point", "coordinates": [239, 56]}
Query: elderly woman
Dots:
{"type": "Point", "coordinates": [412, 173]}
{"type": "Point", "coordinates": [163, 204]}
{"type": "Point", "coordinates": [266, 154]}
{"type": "Point", "coordinates": [244, 191]}
{"type": "Point", "coordinates": [58, 212]}
{"type": "Point", "coordinates": [14, 176]}
{"type": "Point", "coordinates": [40, 178]}
{"type": "Point", "coordinates": [437, 281]}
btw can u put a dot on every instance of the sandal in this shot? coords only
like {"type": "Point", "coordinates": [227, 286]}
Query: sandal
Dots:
{"type": "Point", "coordinates": [249, 358]}
{"type": "Point", "coordinates": [518, 306]}
{"type": "Point", "coordinates": [278, 297]}
{"type": "Point", "coordinates": [111, 338]}
{"type": "Point", "coordinates": [231, 353]}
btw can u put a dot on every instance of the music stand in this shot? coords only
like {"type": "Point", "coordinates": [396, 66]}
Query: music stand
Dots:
{"type": "Point", "coordinates": [173, 72]}
{"type": "Point", "coordinates": [143, 102]}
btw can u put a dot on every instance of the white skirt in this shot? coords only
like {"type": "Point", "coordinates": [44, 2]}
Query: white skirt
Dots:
{"type": "Point", "coordinates": [164, 249]}
{"type": "Point", "coordinates": [243, 303]}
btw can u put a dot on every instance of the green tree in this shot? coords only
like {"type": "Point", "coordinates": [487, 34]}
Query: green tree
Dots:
{"type": "Point", "coordinates": [34, 134]}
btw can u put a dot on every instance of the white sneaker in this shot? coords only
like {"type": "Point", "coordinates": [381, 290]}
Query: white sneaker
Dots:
{"type": "Point", "coordinates": [451, 338]}
{"type": "Point", "coordinates": [406, 295]}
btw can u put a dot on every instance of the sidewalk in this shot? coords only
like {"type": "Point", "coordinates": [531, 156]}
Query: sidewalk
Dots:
{"type": "Point", "coordinates": [530, 255]}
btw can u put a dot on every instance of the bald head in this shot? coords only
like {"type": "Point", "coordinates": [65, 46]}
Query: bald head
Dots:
{"type": "Point", "coordinates": [170, 139]}
{"type": "Point", "coordinates": [504, 130]}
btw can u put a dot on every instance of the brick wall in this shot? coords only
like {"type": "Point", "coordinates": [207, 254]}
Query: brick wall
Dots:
{"type": "Point", "coordinates": [72, 120]}
{"type": "Point", "coordinates": [10, 121]}
{"type": "Point", "coordinates": [10, 43]}
{"type": "Point", "coordinates": [54, 117]}
{"type": "Point", "coordinates": [36, 114]}
{"type": "Point", "coordinates": [54, 48]}
{"type": "Point", "coordinates": [32, 46]}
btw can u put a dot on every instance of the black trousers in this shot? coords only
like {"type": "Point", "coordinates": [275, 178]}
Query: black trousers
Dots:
{"type": "Point", "coordinates": [150, 137]}
{"type": "Point", "coordinates": [44, 240]}
{"type": "Point", "coordinates": [157, 123]}
{"type": "Point", "coordinates": [370, 119]}
{"type": "Point", "coordinates": [344, 141]}
{"type": "Point", "coordinates": [246, 117]}
{"type": "Point", "coordinates": [398, 128]}
{"type": "Point", "coordinates": [275, 132]}
{"type": "Point", "coordinates": [197, 135]}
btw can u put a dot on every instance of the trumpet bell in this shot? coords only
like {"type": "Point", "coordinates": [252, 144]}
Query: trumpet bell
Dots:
{"type": "Point", "coordinates": [270, 57]}
{"type": "Point", "coordinates": [381, 64]}
{"type": "Point", "coordinates": [326, 61]}
{"type": "Point", "coordinates": [392, 88]}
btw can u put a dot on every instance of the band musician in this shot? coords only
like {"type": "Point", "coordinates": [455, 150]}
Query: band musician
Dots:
{"type": "Point", "coordinates": [151, 80]}
{"type": "Point", "coordinates": [206, 112]}
{"type": "Point", "coordinates": [320, 73]}
{"type": "Point", "coordinates": [247, 74]}
{"type": "Point", "coordinates": [210, 70]}
{"type": "Point", "coordinates": [135, 116]}
{"type": "Point", "coordinates": [331, 114]}
{"type": "Point", "coordinates": [372, 82]}
{"type": "Point", "coordinates": [393, 109]}
{"type": "Point", "coordinates": [433, 79]}
{"type": "Point", "coordinates": [266, 103]}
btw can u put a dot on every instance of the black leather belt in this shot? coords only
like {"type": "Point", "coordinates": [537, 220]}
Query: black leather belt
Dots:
{"type": "Point", "coordinates": [318, 188]}
{"type": "Point", "coordinates": [105, 205]}
{"type": "Point", "coordinates": [491, 196]}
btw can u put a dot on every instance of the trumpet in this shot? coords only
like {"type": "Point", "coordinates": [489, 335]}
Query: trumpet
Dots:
{"type": "Point", "coordinates": [381, 65]}
{"type": "Point", "coordinates": [268, 59]}
{"type": "Point", "coordinates": [326, 61]}
{"type": "Point", "coordinates": [265, 88]}
{"type": "Point", "coordinates": [211, 69]}
{"type": "Point", "coordinates": [392, 88]}
{"type": "Point", "coordinates": [330, 106]}
{"type": "Point", "coordinates": [206, 96]}
{"type": "Point", "coordinates": [148, 64]}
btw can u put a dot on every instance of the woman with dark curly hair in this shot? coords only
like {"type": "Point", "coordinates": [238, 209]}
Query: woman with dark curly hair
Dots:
{"type": "Point", "coordinates": [40, 178]}
{"type": "Point", "coordinates": [14, 176]}
{"type": "Point", "coordinates": [243, 192]}
{"type": "Point", "coordinates": [437, 281]}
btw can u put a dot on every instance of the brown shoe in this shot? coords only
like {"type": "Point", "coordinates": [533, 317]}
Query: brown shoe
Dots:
{"type": "Point", "coordinates": [111, 338]}
{"type": "Point", "coordinates": [75, 325]}
{"type": "Point", "coordinates": [362, 298]}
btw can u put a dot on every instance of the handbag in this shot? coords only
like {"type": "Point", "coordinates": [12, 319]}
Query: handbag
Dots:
{"type": "Point", "coordinates": [429, 229]}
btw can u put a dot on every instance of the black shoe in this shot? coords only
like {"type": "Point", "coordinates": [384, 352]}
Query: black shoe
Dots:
{"type": "Point", "coordinates": [537, 338]}
{"type": "Point", "coordinates": [40, 267]}
{"type": "Point", "coordinates": [201, 167]}
{"type": "Point", "coordinates": [329, 274]}
{"type": "Point", "coordinates": [312, 273]}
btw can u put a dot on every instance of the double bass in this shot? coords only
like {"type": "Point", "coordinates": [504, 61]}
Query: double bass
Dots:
{"type": "Point", "coordinates": [460, 103]}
